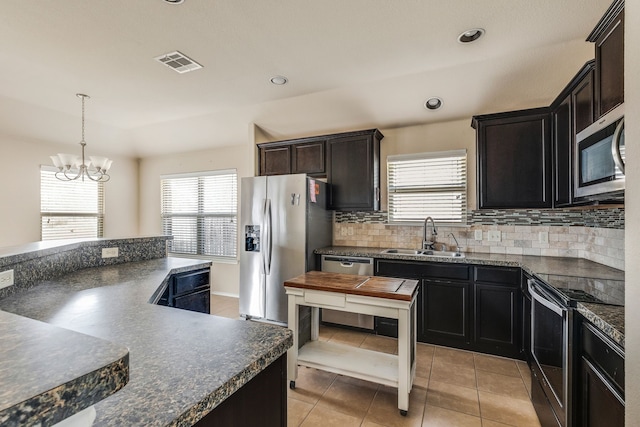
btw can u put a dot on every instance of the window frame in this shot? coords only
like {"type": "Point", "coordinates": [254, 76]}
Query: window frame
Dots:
{"type": "Point", "coordinates": [201, 215]}
{"type": "Point", "coordinates": [99, 215]}
{"type": "Point", "coordinates": [462, 188]}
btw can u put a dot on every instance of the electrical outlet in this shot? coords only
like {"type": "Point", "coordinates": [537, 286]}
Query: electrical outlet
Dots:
{"type": "Point", "coordinates": [6, 278]}
{"type": "Point", "coordinates": [109, 252]}
{"type": "Point", "coordinates": [543, 237]}
{"type": "Point", "coordinates": [478, 234]}
{"type": "Point", "coordinates": [494, 235]}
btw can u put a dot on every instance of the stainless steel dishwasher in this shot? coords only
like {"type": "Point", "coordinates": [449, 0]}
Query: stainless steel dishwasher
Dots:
{"type": "Point", "coordinates": [348, 265]}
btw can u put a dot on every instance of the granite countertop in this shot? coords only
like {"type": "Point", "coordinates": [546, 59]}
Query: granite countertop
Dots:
{"type": "Point", "coordinates": [607, 318]}
{"type": "Point", "coordinates": [38, 385]}
{"type": "Point", "coordinates": [182, 364]}
{"type": "Point", "coordinates": [556, 271]}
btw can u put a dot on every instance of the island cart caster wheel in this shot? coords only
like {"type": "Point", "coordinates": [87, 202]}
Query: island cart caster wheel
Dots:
{"type": "Point", "coordinates": [403, 412]}
{"type": "Point", "coordinates": [292, 386]}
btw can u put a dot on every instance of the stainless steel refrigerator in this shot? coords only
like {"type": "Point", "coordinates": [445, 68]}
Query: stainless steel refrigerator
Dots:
{"type": "Point", "coordinates": [283, 219]}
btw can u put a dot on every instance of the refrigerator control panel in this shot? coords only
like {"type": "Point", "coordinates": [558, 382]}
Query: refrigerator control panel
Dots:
{"type": "Point", "coordinates": [252, 238]}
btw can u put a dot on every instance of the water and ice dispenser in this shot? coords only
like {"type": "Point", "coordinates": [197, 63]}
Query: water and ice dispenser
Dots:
{"type": "Point", "coordinates": [252, 238]}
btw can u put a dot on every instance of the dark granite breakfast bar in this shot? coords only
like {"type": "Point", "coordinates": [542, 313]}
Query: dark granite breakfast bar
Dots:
{"type": "Point", "coordinates": [182, 364]}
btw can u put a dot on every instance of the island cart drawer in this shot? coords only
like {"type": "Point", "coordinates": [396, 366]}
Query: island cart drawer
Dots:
{"type": "Point", "coordinates": [420, 270]}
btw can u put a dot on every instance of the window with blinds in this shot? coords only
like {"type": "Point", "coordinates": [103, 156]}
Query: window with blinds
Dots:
{"type": "Point", "coordinates": [200, 211]}
{"type": "Point", "coordinates": [70, 209]}
{"type": "Point", "coordinates": [428, 184]}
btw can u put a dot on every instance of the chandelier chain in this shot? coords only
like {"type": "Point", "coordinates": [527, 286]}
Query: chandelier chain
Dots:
{"type": "Point", "coordinates": [95, 169]}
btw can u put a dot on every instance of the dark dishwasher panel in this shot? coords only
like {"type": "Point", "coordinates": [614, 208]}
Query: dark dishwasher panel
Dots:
{"type": "Point", "coordinates": [188, 291]}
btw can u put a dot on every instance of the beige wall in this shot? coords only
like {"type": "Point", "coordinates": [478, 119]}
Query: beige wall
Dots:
{"type": "Point", "coordinates": [224, 277]}
{"type": "Point", "coordinates": [453, 135]}
{"type": "Point", "coordinates": [20, 192]}
{"type": "Point", "coordinates": [632, 220]}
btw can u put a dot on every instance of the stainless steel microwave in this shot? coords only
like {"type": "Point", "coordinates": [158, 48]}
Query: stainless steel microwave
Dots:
{"type": "Point", "coordinates": [599, 158]}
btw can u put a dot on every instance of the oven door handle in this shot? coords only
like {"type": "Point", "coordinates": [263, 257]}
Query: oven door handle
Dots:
{"type": "Point", "coordinates": [542, 300]}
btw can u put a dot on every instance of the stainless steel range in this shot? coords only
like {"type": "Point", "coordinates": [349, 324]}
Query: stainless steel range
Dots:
{"type": "Point", "coordinates": [552, 331]}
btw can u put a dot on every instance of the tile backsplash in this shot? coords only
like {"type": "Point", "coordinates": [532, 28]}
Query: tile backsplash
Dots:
{"type": "Point", "coordinates": [594, 234]}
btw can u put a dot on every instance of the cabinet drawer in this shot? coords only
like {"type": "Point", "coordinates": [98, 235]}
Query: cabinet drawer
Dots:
{"type": "Point", "coordinates": [322, 298]}
{"type": "Point", "coordinates": [501, 276]}
{"type": "Point", "coordinates": [421, 270]}
{"type": "Point", "coordinates": [188, 282]}
{"type": "Point", "coordinates": [608, 359]}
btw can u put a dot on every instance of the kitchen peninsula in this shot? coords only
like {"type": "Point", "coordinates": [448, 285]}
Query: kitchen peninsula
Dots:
{"type": "Point", "coordinates": [182, 364]}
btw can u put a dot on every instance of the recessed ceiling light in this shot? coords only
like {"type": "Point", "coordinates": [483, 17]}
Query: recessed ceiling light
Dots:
{"type": "Point", "coordinates": [174, 1]}
{"type": "Point", "coordinates": [470, 35]}
{"type": "Point", "coordinates": [433, 103]}
{"type": "Point", "coordinates": [279, 80]}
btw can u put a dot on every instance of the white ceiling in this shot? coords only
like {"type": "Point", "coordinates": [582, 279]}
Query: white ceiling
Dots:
{"type": "Point", "coordinates": [351, 65]}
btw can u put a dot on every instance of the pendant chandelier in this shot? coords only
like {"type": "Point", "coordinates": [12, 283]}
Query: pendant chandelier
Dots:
{"type": "Point", "coordinates": [71, 167]}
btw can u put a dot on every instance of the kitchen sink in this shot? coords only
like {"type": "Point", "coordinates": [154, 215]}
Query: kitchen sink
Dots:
{"type": "Point", "coordinates": [424, 252]}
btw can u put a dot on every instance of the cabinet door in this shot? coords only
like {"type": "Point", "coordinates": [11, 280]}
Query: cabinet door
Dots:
{"type": "Point", "coordinates": [275, 160]}
{"type": "Point", "coordinates": [583, 103]}
{"type": "Point", "coordinates": [562, 149]}
{"type": "Point", "coordinates": [599, 406]}
{"type": "Point", "coordinates": [514, 160]}
{"type": "Point", "coordinates": [353, 170]}
{"type": "Point", "coordinates": [260, 402]}
{"type": "Point", "coordinates": [525, 347]}
{"type": "Point", "coordinates": [444, 313]}
{"type": "Point", "coordinates": [610, 66]}
{"type": "Point", "coordinates": [496, 319]}
{"type": "Point", "coordinates": [308, 158]}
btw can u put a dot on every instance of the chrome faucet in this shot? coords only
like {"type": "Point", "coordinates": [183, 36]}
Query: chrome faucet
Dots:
{"type": "Point", "coordinates": [457, 244]}
{"type": "Point", "coordinates": [428, 244]}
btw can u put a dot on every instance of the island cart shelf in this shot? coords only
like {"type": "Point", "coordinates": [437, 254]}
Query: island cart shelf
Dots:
{"type": "Point", "coordinates": [378, 296]}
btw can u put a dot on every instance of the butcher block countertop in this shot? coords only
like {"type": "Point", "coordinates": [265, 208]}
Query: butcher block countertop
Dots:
{"type": "Point", "coordinates": [370, 286]}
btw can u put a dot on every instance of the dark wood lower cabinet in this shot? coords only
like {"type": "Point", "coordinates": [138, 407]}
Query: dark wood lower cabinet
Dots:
{"type": "Point", "coordinates": [599, 395]}
{"type": "Point", "coordinates": [444, 313]}
{"type": "Point", "coordinates": [496, 325]}
{"type": "Point", "coordinates": [260, 402]}
{"type": "Point", "coordinates": [470, 307]}
{"type": "Point", "coordinates": [600, 406]}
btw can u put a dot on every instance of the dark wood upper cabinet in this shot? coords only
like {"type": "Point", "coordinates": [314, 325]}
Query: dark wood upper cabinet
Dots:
{"type": "Point", "coordinates": [282, 158]}
{"type": "Point", "coordinates": [514, 159]}
{"type": "Point", "coordinates": [563, 138]}
{"type": "Point", "coordinates": [308, 158]}
{"type": "Point", "coordinates": [582, 99]}
{"type": "Point", "coordinates": [353, 171]}
{"type": "Point", "coordinates": [571, 112]}
{"type": "Point", "coordinates": [275, 160]}
{"type": "Point", "coordinates": [350, 161]}
{"type": "Point", "coordinates": [608, 37]}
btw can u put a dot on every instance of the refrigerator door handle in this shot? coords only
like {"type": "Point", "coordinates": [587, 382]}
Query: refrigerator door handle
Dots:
{"type": "Point", "coordinates": [263, 237]}
{"type": "Point", "coordinates": [268, 247]}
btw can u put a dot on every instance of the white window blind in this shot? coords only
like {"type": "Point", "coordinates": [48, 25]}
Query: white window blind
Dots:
{"type": "Point", "coordinates": [70, 209]}
{"type": "Point", "coordinates": [428, 184]}
{"type": "Point", "coordinates": [200, 211]}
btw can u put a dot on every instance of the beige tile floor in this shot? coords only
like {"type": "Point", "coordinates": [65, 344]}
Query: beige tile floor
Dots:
{"type": "Point", "coordinates": [452, 388]}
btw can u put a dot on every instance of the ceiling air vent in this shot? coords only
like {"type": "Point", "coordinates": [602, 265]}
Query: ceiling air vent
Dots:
{"type": "Point", "coordinates": [178, 62]}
